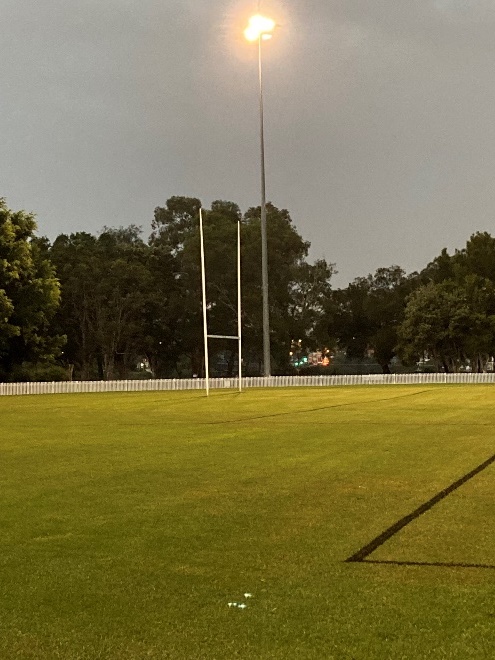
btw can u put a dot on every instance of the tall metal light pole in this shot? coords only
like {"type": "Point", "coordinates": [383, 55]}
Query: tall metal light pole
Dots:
{"type": "Point", "coordinates": [260, 29]}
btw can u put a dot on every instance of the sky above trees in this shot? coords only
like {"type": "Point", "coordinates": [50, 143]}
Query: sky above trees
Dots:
{"type": "Point", "coordinates": [379, 118]}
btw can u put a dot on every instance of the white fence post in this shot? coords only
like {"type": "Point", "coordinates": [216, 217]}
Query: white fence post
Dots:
{"type": "Point", "coordinates": [73, 387]}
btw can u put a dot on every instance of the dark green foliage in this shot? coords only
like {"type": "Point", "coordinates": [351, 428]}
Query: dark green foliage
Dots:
{"type": "Point", "coordinates": [445, 314]}
{"type": "Point", "coordinates": [38, 372]}
{"type": "Point", "coordinates": [295, 302]}
{"type": "Point", "coordinates": [107, 286]}
{"type": "Point", "coordinates": [364, 317]}
{"type": "Point", "coordinates": [29, 297]}
{"type": "Point", "coordinates": [125, 300]}
{"type": "Point", "coordinates": [451, 317]}
{"type": "Point", "coordinates": [128, 302]}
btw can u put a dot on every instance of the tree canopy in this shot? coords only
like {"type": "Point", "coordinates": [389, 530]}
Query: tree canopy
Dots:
{"type": "Point", "coordinates": [117, 303]}
{"type": "Point", "coordinates": [451, 316]}
{"type": "Point", "coordinates": [176, 229]}
{"type": "Point", "coordinates": [29, 297]}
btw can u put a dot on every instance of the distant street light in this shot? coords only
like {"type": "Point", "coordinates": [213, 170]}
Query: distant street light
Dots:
{"type": "Point", "coordinates": [260, 29]}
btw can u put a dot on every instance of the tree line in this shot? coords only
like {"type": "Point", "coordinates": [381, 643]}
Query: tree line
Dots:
{"type": "Point", "coordinates": [118, 305]}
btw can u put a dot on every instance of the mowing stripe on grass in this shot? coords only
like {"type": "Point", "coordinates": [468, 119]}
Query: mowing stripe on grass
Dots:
{"type": "Point", "coordinates": [365, 551]}
{"type": "Point", "coordinates": [318, 409]}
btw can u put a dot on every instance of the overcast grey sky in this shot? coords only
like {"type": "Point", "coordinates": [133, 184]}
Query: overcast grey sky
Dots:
{"type": "Point", "coordinates": [380, 117]}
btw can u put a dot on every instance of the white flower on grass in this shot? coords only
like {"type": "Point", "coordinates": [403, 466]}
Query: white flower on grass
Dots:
{"type": "Point", "coordinates": [248, 595]}
{"type": "Point", "coordinates": [242, 606]}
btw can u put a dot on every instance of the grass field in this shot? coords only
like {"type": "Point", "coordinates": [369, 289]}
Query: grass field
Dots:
{"type": "Point", "coordinates": [130, 521]}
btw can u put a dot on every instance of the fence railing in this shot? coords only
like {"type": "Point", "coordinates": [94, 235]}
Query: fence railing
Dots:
{"type": "Point", "coordinates": [75, 386]}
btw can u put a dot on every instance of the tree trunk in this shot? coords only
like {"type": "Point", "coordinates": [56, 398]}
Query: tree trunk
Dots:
{"type": "Point", "coordinates": [230, 364]}
{"type": "Point", "coordinates": [99, 362]}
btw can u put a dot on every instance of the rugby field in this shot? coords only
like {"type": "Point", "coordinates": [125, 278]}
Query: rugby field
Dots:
{"type": "Point", "coordinates": [350, 523]}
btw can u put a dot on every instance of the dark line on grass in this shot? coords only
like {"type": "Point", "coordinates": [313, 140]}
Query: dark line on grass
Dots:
{"type": "Point", "coordinates": [310, 410]}
{"type": "Point", "coordinates": [366, 422]}
{"type": "Point", "coordinates": [441, 564]}
{"type": "Point", "coordinates": [365, 551]}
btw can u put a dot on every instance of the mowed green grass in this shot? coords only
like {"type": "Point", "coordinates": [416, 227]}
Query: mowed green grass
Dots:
{"type": "Point", "coordinates": [129, 522]}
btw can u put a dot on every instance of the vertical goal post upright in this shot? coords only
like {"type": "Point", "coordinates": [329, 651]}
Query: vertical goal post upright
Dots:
{"type": "Point", "coordinates": [206, 336]}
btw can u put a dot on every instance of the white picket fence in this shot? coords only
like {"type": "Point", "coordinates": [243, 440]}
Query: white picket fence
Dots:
{"type": "Point", "coordinates": [75, 386]}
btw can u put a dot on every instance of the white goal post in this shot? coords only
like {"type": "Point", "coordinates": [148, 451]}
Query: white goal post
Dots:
{"type": "Point", "coordinates": [237, 337]}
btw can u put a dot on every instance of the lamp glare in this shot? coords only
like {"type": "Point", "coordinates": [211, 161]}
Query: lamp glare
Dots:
{"type": "Point", "coordinates": [259, 26]}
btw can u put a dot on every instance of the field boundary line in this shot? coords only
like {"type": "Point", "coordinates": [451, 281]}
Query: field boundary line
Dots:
{"type": "Point", "coordinates": [382, 538]}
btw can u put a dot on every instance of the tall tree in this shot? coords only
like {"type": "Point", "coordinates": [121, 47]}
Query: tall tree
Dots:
{"type": "Point", "coordinates": [437, 317]}
{"type": "Point", "coordinates": [386, 302]}
{"type": "Point", "coordinates": [478, 257]}
{"type": "Point", "coordinates": [75, 260]}
{"type": "Point", "coordinates": [176, 235]}
{"type": "Point", "coordinates": [106, 284]}
{"type": "Point", "coordinates": [122, 295]}
{"type": "Point", "coordinates": [364, 316]}
{"type": "Point", "coordinates": [451, 322]}
{"type": "Point", "coordinates": [347, 318]}
{"type": "Point", "coordinates": [287, 254]}
{"type": "Point", "coordinates": [291, 306]}
{"type": "Point", "coordinates": [29, 297]}
{"type": "Point", "coordinates": [454, 308]}
{"type": "Point", "coordinates": [310, 291]}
